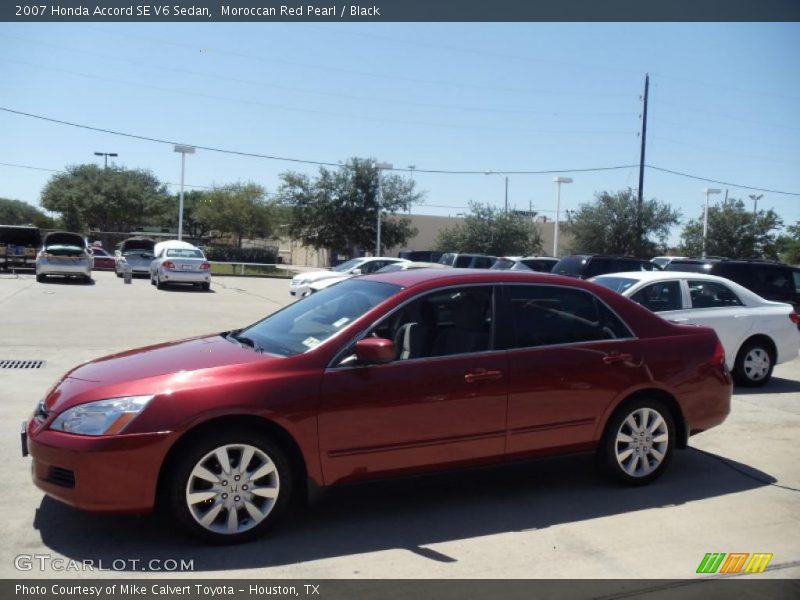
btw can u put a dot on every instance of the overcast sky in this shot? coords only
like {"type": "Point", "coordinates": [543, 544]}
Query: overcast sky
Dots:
{"type": "Point", "coordinates": [724, 105]}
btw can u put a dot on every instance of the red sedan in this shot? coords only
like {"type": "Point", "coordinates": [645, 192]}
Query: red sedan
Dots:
{"type": "Point", "coordinates": [101, 260]}
{"type": "Point", "coordinates": [381, 375]}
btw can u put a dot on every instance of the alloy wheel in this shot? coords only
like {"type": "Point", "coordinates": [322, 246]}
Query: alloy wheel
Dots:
{"type": "Point", "coordinates": [642, 442]}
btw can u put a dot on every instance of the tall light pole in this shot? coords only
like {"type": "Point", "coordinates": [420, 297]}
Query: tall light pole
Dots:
{"type": "Point", "coordinates": [707, 192]}
{"type": "Point", "coordinates": [506, 194]}
{"type": "Point", "coordinates": [558, 181]}
{"type": "Point", "coordinates": [381, 166]}
{"type": "Point", "coordinates": [106, 155]}
{"type": "Point", "coordinates": [184, 150]}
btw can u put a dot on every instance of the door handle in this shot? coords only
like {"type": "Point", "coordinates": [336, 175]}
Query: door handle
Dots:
{"type": "Point", "coordinates": [482, 375]}
{"type": "Point", "coordinates": [615, 357]}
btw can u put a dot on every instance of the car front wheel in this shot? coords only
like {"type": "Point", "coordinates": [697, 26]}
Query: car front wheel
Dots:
{"type": "Point", "coordinates": [230, 488]}
{"type": "Point", "coordinates": [638, 442]}
{"type": "Point", "coordinates": [754, 365]}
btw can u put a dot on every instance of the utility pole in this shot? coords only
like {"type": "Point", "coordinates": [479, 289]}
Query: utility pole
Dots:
{"type": "Point", "coordinates": [506, 194]}
{"type": "Point", "coordinates": [640, 196]}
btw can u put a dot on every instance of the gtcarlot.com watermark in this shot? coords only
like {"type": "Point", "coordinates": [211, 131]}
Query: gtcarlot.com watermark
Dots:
{"type": "Point", "coordinates": [45, 562]}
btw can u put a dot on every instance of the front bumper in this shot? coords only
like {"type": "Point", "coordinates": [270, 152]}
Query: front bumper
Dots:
{"type": "Point", "coordinates": [299, 290]}
{"type": "Point", "coordinates": [113, 474]}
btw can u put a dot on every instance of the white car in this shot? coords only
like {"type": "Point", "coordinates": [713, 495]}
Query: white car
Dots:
{"type": "Point", "coordinates": [64, 254]}
{"type": "Point", "coordinates": [300, 285]}
{"type": "Point", "coordinates": [179, 262]}
{"type": "Point", "coordinates": [757, 334]}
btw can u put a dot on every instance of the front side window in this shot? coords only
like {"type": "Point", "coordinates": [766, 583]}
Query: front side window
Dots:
{"type": "Point", "coordinates": [660, 297]}
{"type": "Point", "coordinates": [710, 294]}
{"type": "Point", "coordinates": [346, 266]}
{"type": "Point", "coordinates": [544, 315]}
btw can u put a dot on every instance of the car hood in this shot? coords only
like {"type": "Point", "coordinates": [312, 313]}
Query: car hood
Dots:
{"type": "Point", "coordinates": [149, 370]}
{"type": "Point", "coordinates": [317, 275]}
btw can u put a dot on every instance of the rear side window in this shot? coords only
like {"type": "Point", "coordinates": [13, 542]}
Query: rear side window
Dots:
{"type": "Point", "coordinates": [660, 297]}
{"type": "Point", "coordinates": [796, 276]}
{"type": "Point", "coordinates": [462, 262]}
{"type": "Point", "coordinates": [774, 280]}
{"type": "Point", "coordinates": [710, 294]}
{"type": "Point", "coordinates": [545, 315]}
{"type": "Point", "coordinates": [570, 265]}
{"type": "Point", "coordinates": [543, 266]}
{"type": "Point", "coordinates": [482, 262]}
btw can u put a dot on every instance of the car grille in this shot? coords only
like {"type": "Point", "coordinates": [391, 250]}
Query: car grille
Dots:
{"type": "Point", "coordinates": [63, 477]}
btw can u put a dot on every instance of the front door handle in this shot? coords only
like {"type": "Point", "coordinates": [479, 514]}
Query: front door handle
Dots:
{"type": "Point", "coordinates": [482, 375]}
{"type": "Point", "coordinates": [615, 357]}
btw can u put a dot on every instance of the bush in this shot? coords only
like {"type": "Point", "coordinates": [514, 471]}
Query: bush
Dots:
{"type": "Point", "coordinates": [251, 255]}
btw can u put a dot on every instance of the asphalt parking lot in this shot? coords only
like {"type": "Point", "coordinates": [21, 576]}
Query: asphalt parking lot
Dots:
{"type": "Point", "coordinates": [736, 490]}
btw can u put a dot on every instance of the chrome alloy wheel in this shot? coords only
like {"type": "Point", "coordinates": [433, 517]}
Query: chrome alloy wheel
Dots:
{"type": "Point", "coordinates": [756, 364]}
{"type": "Point", "coordinates": [642, 442]}
{"type": "Point", "coordinates": [232, 488]}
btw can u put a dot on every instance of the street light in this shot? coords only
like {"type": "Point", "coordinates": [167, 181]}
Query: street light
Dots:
{"type": "Point", "coordinates": [381, 166]}
{"type": "Point", "coordinates": [558, 181]}
{"type": "Point", "coordinates": [707, 192]}
{"type": "Point", "coordinates": [106, 155]}
{"type": "Point", "coordinates": [184, 150]}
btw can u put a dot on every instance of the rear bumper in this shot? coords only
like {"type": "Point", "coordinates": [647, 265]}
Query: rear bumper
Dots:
{"type": "Point", "coordinates": [45, 267]}
{"type": "Point", "coordinates": [115, 474]}
{"type": "Point", "coordinates": [168, 276]}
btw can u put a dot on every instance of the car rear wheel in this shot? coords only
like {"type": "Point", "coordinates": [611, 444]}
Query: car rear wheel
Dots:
{"type": "Point", "coordinates": [41, 278]}
{"type": "Point", "coordinates": [638, 442]}
{"type": "Point", "coordinates": [159, 285]}
{"type": "Point", "coordinates": [754, 364]}
{"type": "Point", "coordinates": [205, 286]}
{"type": "Point", "coordinates": [230, 487]}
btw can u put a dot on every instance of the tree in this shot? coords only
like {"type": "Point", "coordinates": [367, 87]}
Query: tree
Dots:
{"type": "Point", "coordinates": [610, 225]}
{"type": "Point", "coordinates": [489, 230]}
{"type": "Point", "coordinates": [338, 210]}
{"type": "Point", "coordinates": [238, 209]}
{"type": "Point", "coordinates": [108, 199]}
{"type": "Point", "coordinates": [788, 245]}
{"type": "Point", "coordinates": [733, 233]}
{"type": "Point", "coordinates": [17, 212]}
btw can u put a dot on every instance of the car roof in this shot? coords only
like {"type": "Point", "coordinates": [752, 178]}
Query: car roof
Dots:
{"type": "Point", "coordinates": [651, 276]}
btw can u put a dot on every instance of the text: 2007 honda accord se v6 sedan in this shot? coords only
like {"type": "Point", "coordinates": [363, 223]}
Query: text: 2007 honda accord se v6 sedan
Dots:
{"type": "Point", "coordinates": [380, 375]}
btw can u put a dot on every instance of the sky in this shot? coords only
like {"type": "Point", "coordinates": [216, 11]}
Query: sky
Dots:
{"type": "Point", "coordinates": [724, 104]}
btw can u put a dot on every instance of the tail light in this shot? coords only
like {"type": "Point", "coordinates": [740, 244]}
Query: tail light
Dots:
{"type": "Point", "coordinates": [168, 264]}
{"type": "Point", "coordinates": [205, 266]}
{"type": "Point", "coordinates": [794, 318]}
{"type": "Point", "coordinates": [719, 354]}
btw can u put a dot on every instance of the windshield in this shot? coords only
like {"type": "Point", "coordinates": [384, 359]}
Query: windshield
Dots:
{"type": "Point", "coordinates": [618, 284]}
{"type": "Point", "coordinates": [184, 253]}
{"type": "Point", "coordinates": [346, 266]}
{"type": "Point", "coordinates": [307, 323]}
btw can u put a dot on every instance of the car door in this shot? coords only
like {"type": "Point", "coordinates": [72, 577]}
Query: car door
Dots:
{"type": "Point", "coordinates": [442, 402]}
{"type": "Point", "coordinates": [667, 298]}
{"type": "Point", "coordinates": [570, 357]}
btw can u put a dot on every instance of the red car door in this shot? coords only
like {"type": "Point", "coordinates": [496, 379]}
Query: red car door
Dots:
{"type": "Point", "coordinates": [442, 402]}
{"type": "Point", "coordinates": [569, 358]}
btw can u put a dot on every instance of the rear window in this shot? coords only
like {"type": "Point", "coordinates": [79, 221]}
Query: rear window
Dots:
{"type": "Point", "coordinates": [482, 262]}
{"type": "Point", "coordinates": [184, 253]}
{"type": "Point", "coordinates": [462, 262]}
{"type": "Point", "coordinates": [688, 266]}
{"type": "Point", "coordinates": [618, 284]}
{"type": "Point", "coordinates": [570, 265]}
{"type": "Point", "coordinates": [502, 264]}
{"type": "Point", "coordinates": [543, 266]}
{"type": "Point", "coordinates": [447, 259]}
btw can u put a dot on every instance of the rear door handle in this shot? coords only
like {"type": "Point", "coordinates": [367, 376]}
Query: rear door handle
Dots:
{"type": "Point", "coordinates": [482, 375]}
{"type": "Point", "coordinates": [610, 359]}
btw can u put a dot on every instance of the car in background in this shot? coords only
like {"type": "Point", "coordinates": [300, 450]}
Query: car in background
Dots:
{"type": "Point", "coordinates": [383, 375]}
{"type": "Point", "coordinates": [18, 246]}
{"type": "Point", "coordinates": [300, 284]}
{"type": "Point", "coordinates": [757, 334]}
{"type": "Point", "coordinates": [178, 262]}
{"type": "Point", "coordinates": [771, 280]}
{"type": "Point", "coordinates": [321, 284]}
{"type": "Point", "coordinates": [586, 266]}
{"type": "Point", "coordinates": [101, 260]}
{"type": "Point", "coordinates": [541, 264]}
{"type": "Point", "coordinates": [136, 254]}
{"type": "Point", "coordinates": [421, 255]}
{"type": "Point", "coordinates": [467, 261]}
{"type": "Point", "coordinates": [692, 265]}
{"type": "Point", "coordinates": [663, 261]}
{"type": "Point", "coordinates": [64, 254]}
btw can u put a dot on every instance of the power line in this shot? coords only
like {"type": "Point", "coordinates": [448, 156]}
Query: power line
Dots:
{"type": "Point", "coordinates": [728, 183]}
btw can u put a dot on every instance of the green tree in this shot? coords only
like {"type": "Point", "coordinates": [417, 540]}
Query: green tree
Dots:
{"type": "Point", "coordinates": [490, 230]}
{"type": "Point", "coordinates": [108, 199]}
{"type": "Point", "coordinates": [610, 225]}
{"type": "Point", "coordinates": [338, 209]}
{"type": "Point", "coordinates": [17, 212]}
{"type": "Point", "coordinates": [236, 209]}
{"type": "Point", "coordinates": [733, 233]}
{"type": "Point", "coordinates": [788, 245]}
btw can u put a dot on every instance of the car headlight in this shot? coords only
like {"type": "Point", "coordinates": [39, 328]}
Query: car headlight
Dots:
{"type": "Point", "coordinates": [104, 417]}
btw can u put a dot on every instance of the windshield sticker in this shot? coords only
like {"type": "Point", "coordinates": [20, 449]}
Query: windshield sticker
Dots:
{"type": "Point", "coordinates": [341, 322]}
{"type": "Point", "coordinates": [311, 342]}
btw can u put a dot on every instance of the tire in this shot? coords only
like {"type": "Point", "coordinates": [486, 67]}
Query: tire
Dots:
{"type": "Point", "coordinates": [152, 281]}
{"type": "Point", "coordinates": [41, 278]}
{"type": "Point", "coordinates": [754, 364]}
{"type": "Point", "coordinates": [205, 286]}
{"type": "Point", "coordinates": [159, 285]}
{"type": "Point", "coordinates": [118, 274]}
{"type": "Point", "coordinates": [638, 459]}
{"type": "Point", "coordinates": [87, 279]}
{"type": "Point", "coordinates": [233, 513]}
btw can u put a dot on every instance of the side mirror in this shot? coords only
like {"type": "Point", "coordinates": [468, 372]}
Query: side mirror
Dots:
{"type": "Point", "coordinates": [356, 271]}
{"type": "Point", "coordinates": [375, 351]}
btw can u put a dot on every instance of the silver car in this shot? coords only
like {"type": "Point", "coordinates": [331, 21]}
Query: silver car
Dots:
{"type": "Point", "coordinates": [179, 262]}
{"type": "Point", "coordinates": [64, 254]}
{"type": "Point", "coordinates": [136, 254]}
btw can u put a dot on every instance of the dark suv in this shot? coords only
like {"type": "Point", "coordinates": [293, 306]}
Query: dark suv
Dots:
{"type": "Point", "coordinates": [585, 266]}
{"type": "Point", "coordinates": [771, 280]}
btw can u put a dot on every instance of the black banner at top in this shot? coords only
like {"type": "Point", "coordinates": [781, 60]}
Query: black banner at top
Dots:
{"type": "Point", "coordinates": [397, 10]}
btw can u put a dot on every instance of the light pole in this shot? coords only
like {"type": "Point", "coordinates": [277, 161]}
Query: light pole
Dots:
{"type": "Point", "coordinates": [381, 166]}
{"type": "Point", "coordinates": [707, 192]}
{"type": "Point", "coordinates": [106, 155]}
{"type": "Point", "coordinates": [184, 150]}
{"type": "Point", "coordinates": [558, 181]}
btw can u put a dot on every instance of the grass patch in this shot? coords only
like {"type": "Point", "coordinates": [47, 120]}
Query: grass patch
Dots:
{"type": "Point", "coordinates": [251, 271]}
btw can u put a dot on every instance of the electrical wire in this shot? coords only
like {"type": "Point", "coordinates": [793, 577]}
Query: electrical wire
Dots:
{"type": "Point", "coordinates": [731, 184]}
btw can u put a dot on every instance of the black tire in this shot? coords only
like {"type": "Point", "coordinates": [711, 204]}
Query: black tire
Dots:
{"type": "Point", "coordinates": [159, 285]}
{"type": "Point", "coordinates": [41, 278]}
{"type": "Point", "coordinates": [87, 279]}
{"type": "Point", "coordinates": [629, 470]}
{"type": "Point", "coordinates": [152, 281]}
{"type": "Point", "coordinates": [179, 478]}
{"type": "Point", "coordinates": [754, 364]}
{"type": "Point", "coordinates": [205, 286]}
{"type": "Point", "coordinates": [118, 274]}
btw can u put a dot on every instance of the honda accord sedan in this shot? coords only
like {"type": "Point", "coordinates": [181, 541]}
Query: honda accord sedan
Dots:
{"type": "Point", "coordinates": [382, 375]}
